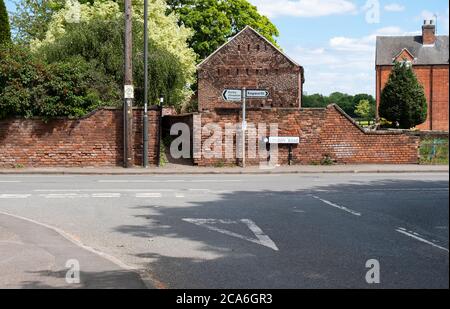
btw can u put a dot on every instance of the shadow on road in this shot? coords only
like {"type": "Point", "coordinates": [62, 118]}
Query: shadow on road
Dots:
{"type": "Point", "coordinates": [319, 246]}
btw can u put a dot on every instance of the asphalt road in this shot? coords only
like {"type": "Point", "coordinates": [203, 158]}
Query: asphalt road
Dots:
{"type": "Point", "coordinates": [233, 231]}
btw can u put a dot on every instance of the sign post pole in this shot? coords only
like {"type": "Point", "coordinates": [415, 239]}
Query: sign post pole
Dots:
{"type": "Point", "coordinates": [145, 119]}
{"type": "Point", "coordinates": [129, 91]}
{"type": "Point", "coordinates": [244, 125]}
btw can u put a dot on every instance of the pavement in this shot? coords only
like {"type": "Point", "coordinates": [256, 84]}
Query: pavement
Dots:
{"type": "Point", "coordinates": [174, 169]}
{"type": "Point", "coordinates": [309, 230]}
{"type": "Point", "coordinates": [34, 256]}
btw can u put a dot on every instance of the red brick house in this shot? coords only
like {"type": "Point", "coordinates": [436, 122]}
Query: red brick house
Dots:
{"type": "Point", "coordinates": [429, 56]}
{"type": "Point", "coordinates": [249, 60]}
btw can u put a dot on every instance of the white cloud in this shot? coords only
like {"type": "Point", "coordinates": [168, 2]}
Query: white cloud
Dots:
{"type": "Point", "coordinates": [394, 7]}
{"type": "Point", "coordinates": [346, 64]}
{"type": "Point", "coordinates": [304, 8]}
{"type": "Point", "coordinates": [442, 20]}
{"type": "Point", "coordinates": [366, 44]}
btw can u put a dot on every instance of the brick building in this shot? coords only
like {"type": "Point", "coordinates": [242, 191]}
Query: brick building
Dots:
{"type": "Point", "coordinates": [249, 60]}
{"type": "Point", "coordinates": [429, 56]}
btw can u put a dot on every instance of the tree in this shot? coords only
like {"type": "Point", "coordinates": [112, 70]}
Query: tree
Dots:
{"type": "Point", "coordinates": [164, 32]}
{"type": "Point", "coordinates": [5, 32]}
{"type": "Point", "coordinates": [363, 109]}
{"type": "Point", "coordinates": [100, 43]}
{"type": "Point", "coordinates": [314, 100]}
{"type": "Point", "coordinates": [372, 103]}
{"type": "Point", "coordinates": [403, 100]}
{"type": "Point", "coordinates": [344, 101]}
{"type": "Point", "coordinates": [31, 87]}
{"type": "Point", "coordinates": [215, 21]}
{"type": "Point", "coordinates": [31, 18]}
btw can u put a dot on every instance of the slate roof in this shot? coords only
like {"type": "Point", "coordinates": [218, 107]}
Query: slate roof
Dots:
{"type": "Point", "coordinates": [390, 46]}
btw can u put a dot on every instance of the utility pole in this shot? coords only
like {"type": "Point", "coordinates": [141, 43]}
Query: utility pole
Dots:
{"type": "Point", "coordinates": [128, 90]}
{"type": "Point", "coordinates": [145, 118]}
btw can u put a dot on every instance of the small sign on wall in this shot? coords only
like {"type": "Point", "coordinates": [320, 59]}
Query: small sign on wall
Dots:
{"type": "Point", "coordinates": [283, 140]}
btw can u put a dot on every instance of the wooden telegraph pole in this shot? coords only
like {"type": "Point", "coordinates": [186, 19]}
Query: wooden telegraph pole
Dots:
{"type": "Point", "coordinates": [128, 89]}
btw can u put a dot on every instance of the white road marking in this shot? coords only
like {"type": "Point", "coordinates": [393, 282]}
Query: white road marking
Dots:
{"type": "Point", "coordinates": [355, 213]}
{"type": "Point", "coordinates": [9, 181]}
{"type": "Point", "coordinates": [15, 195]}
{"type": "Point", "coordinates": [419, 238]}
{"type": "Point", "coordinates": [149, 194]}
{"type": "Point", "coordinates": [261, 238]}
{"type": "Point", "coordinates": [102, 190]}
{"type": "Point", "coordinates": [64, 195]}
{"type": "Point", "coordinates": [171, 181]}
{"type": "Point", "coordinates": [106, 195]}
{"type": "Point", "coordinates": [179, 195]}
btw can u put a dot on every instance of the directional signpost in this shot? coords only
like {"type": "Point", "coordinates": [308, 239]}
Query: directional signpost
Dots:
{"type": "Point", "coordinates": [256, 94]}
{"type": "Point", "coordinates": [232, 95]}
{"type": "Point", "coordinates": [240, 95]}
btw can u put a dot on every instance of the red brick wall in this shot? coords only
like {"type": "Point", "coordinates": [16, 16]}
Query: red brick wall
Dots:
{"type": "Point", "coordinates": [435, 82]}
{"type": "Point", "coordinates": [95, 140]}
{"type": "Point", "coordinates": [249, 61]}
{"type": "Point", "coordinates": [322, 132]}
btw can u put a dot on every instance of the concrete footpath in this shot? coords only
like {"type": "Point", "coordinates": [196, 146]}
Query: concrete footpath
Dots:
{"type": "Point", "coordinates": [36, 256]}
{"type": "Point", "coordinates": [189, 170]}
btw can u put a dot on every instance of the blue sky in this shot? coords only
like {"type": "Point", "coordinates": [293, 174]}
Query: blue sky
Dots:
{"type": "Point", "coordinates": [335, 39]}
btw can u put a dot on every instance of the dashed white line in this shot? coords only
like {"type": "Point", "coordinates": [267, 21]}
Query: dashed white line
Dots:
{"type": "Point", "coordinates": [419, 238]}
{"type": "Point", "coordinates": [171, 181]}
{"type": "Point", "coordinates": [10, 181]}
{"type": "Point", "coordinates": [15, 195]}
{"type": "Point", "coordinates": [148, 195]}
{"type": "Point", "coordinates": [106, 195]}
{"type": "Point", "coordinates": [102, 190]}
{"type": "Point", "coordinates": [355, 213]}
{"type": "Point", "coordinates": [66, 195]}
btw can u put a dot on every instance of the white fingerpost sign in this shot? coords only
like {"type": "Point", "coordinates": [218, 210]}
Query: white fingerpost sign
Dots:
{"type": "Point", "coordinates": [232, 95]}
{"type": "Point", "coordinates": [128, 92]}
{"type": "Point", "coordinates": [257, 94]}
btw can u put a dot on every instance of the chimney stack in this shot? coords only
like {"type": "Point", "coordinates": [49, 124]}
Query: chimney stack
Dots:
{"type": "Point", "coordinates": [428, 32]}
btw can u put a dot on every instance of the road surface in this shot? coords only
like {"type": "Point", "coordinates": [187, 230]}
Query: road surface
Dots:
{"type": "Point", "coordinates": [225, 231]}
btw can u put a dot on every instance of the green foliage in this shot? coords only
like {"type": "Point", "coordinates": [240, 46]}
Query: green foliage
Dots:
{"type": "Point", "coordinates": [215, 21]}
{"type": "Point", "coordinates": [5, 31]}
{"type": "Point", "coordinates": [100, 43]}
{"type": "Point", "coordinates": [402, 99]}
{"type": "Point", "coordinates": [363, 109]}
{"type": "Point", "coordinates": [30, 87]}
{"type": "Point", "coordinates": [31, 18]}
{"type": "Point", "coordinates": [345, 101]}
{"type": "Point", "coordinates": [165, 34]}
{"type": "Point", "coordinates": [434, 151]}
